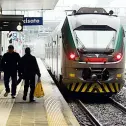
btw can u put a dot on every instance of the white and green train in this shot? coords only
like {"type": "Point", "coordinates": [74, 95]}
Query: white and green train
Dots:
{"type": "Point", "coordinates": [87, 53]}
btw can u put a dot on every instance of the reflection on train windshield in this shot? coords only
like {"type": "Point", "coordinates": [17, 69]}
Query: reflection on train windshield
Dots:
{"type": "Point", "coordinates": [95, 39]}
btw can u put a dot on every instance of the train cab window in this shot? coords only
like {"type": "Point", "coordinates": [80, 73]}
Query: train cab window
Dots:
{"type": "Point", "coordinates": [95, 36]}
{"type": "Point", "coordinates": [95, 27]}
{"type": "Point", "coordinates": [91, 10]}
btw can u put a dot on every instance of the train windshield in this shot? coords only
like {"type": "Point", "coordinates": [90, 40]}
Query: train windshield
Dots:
{"type": "Point", "coordinates": [95, 38]}
{"type": "Point", "coordinates": [91, 10]}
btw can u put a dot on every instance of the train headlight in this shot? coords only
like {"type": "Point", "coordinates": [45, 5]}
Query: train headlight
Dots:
{"type": "Point", "coordinates": [72, 56]}
{"type": "Point", "coordinates": [118, 56]}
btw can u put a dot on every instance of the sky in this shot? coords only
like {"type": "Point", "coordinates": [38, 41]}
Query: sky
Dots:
{"type": "Point", "coordinates": [118, 3]}
{"type": "Point", "coordinates": [71, 3]}
{"type": "Point", "coordinates": [106, 3]}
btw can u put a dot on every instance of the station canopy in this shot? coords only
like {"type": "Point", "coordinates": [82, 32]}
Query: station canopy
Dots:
{"type": "Point", "coordinates": [27, 4]}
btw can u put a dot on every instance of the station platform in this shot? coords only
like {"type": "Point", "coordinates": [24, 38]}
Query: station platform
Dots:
{"type": "Point", "coordinates": [50, 110]}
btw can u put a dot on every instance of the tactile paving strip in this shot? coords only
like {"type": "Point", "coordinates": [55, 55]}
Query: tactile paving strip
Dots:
{"type": "Point", "coordinates": [58, 111]}
{"type": "Point", "coordinates": [6, 104]}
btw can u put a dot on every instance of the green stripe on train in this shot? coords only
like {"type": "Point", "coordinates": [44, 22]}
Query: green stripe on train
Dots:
{"type": "Point", "coordinates": [119, 39]}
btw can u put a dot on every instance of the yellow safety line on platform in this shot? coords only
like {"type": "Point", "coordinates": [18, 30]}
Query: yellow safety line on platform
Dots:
{"type": "Point", "coordinates": [54, 112]}
{"type": "Point", "coordinates": [53, 105]}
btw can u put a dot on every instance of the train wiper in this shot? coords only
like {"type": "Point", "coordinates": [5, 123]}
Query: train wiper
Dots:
{"type": "Point", "coordinates": [80, 42]}
{"type": "Point", "coordinates": [95, 51]}
{"type": "Point", "coordinates": [111, 42]}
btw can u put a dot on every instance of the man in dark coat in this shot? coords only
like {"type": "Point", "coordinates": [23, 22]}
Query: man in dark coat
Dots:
{"type": "Point", "coordinates": [28, 69]}
{"type": "Point", "coordinates": [9, 65]}
{"type": "Point", "coordinates": [0, 65]}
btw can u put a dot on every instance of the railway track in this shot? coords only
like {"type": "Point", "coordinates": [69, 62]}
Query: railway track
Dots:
{"type": "Point", "coordinates": [117, 105]}
{"type": "Point", "coordinates": [90, 115]}
{"type": "Point", "coordinates": [103, 118]}
{"type": "Point", "coordinates": [83, 116]}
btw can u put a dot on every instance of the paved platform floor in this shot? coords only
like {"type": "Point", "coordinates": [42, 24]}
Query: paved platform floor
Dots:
{"type": "Point", "coordinates": [1, 83]}
{"type": "Point", "coordinates": [50, 110]}
{"type": "Point", "coordinates": [1, 86]}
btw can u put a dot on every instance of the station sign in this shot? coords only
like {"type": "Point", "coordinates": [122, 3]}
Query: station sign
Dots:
{"type": "Point", "coordinates": [11, 22]}
{"type": "Point", "coordinates": [33, 21]}
{"type": "Point", "coordinates": [16, 22]}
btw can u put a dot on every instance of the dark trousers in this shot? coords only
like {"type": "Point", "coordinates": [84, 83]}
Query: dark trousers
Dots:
{"type": "Point", "coordinates": [14, 82]}
{"type": "Point", "coordinates": [29, 81]}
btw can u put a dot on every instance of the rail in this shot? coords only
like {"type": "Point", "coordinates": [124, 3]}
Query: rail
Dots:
{"type": "Point", "coordinates": [118, 105]}
{"type": "Point", "coordinates": [95, 121]}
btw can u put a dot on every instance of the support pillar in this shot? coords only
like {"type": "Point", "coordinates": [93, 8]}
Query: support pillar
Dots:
{"type": "Point", "coordinates": [0, 43]}
{"type": "Point", "coordinates": [0, 34]}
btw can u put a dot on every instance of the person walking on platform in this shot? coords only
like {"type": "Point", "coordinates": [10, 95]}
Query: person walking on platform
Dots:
{"type": "Point", "coordinates": [28, 69]}
{"type": "Point", "coordinates": [0, 65]}
{"type": "Point", "coordinates": [9, 65]}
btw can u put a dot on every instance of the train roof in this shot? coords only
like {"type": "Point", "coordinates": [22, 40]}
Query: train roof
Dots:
{"type": "Point", "coordinates": [92, 10]}
{"type": "Point", "coordinates": [91, 16]}
{"type": "Point", "coordinates": [94, 19]}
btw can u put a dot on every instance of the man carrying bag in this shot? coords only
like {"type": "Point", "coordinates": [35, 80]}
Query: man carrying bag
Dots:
{"type": "Point", "coordinates": [28, 68]}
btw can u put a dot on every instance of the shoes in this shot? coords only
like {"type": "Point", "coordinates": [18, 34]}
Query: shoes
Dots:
{"type": "Point", "coordinates": [24, 98]}
{"type": "Point", "coordinates": [32, 100]}
{"type": "Point", "coordinates": [13, 96]}
{"type": "Point", "coordinates": [6, 94]}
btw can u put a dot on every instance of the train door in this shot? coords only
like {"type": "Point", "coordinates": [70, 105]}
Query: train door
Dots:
{"type": "Point", "coordinates": [57, 52]}
{"type": "Point", "coordinates": [51, 61]}
{"type": "Point", "coordinates": [54, 54]}
{"type": "Point", "coordinates": [59, 56]}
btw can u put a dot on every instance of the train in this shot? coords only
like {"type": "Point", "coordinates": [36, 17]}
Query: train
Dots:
{"type": "Point", "coordinates": [86, 52]}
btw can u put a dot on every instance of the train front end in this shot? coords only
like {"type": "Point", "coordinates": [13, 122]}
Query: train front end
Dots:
{"type": "Point", "coordinates": [95, 54]}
